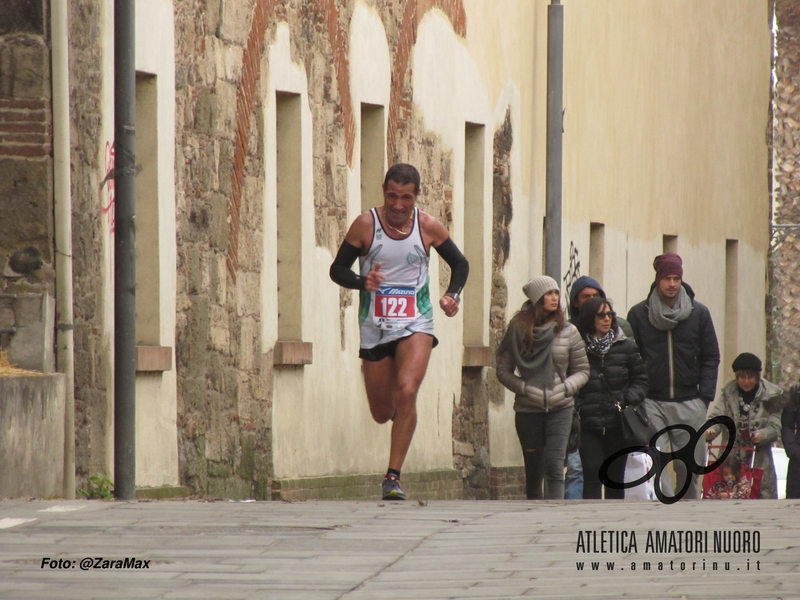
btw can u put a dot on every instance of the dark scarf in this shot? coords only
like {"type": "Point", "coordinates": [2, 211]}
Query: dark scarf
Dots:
{"type": "Point", "coordinates": [535, 365]}
{"type": "Point", "coordinates": [599, 346]}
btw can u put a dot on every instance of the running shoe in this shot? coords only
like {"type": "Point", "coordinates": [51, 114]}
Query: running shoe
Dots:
{"type": "Point", "coordinates": [391, 489]}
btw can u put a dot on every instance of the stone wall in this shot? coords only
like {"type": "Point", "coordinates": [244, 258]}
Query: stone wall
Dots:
{"type": "Point", "coordinates": [502, 213]}
{"type": "Point", "coordinates": [93, 349]}
{"type": "Point", "coordinates": [471, 433]}
{"type": "Point", "coordinates": [26, 189]}
{"type": "Point", "coordinates": [505, 483]}
{"type": "Point", "coordinates": [783, 365]}
{"type": "Point", "coordinates": [224, 378]}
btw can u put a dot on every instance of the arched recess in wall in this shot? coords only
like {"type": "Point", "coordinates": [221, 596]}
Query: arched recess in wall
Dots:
{"type": "Point", "coordinates": [400, 105]}
{"type": "Point", "coordinates": [263, 18]}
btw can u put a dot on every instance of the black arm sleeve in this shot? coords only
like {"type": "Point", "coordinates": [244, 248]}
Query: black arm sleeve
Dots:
{"type": "Point", "coordinates": [459, 265]}
{"type": "Point", "coordinates": [341, 272]}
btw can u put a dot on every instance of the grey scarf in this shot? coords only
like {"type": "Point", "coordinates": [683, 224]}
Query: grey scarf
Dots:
{"type": "Point", "coordinates": [535, 366]}
{"type": "Point", "coordinates": [665, 318]}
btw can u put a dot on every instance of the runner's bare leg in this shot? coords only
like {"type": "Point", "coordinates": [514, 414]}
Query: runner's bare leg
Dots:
{"type": "Point", "coordinates": [392, 385]}
{"type": "Point", "coordinates": [380, 379]}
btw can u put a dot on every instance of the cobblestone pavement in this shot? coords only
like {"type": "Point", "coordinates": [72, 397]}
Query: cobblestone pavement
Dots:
{"type": "Point", "coordinates": [371, 550]}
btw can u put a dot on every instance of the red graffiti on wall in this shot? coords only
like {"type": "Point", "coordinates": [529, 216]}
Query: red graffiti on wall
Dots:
{"type": "Point", "coordinates": [110, 192]}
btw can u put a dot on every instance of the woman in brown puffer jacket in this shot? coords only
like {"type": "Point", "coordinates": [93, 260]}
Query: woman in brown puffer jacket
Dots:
{"type": "Point", "coordinates": [542, 360]}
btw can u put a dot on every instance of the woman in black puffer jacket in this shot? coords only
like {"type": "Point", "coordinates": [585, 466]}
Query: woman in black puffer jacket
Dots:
{"type": "Point", "coordinates": [618, 378]}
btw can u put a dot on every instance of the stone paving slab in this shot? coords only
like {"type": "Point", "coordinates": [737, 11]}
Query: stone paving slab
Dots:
{"type": "Point", "coordinates": [359, 550]}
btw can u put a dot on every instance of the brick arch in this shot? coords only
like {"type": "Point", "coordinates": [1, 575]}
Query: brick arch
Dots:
{"type": "Point", "coordinates": [245, 100]}
{"type": "Point", "coordinates": [400, 105]}
{"type": "Point", "coordinates": [263, 15]}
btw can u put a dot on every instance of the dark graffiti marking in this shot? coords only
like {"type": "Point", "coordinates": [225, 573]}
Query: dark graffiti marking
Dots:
{"type": "Point", "coordinates": [573, 271]}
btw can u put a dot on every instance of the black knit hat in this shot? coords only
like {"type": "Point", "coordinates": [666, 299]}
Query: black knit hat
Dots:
{"type": "Point", "coordinates": [746, 362]}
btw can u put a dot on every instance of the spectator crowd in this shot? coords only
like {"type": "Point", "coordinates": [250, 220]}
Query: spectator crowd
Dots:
{"type": "Point", "coordinates": [588, 366]}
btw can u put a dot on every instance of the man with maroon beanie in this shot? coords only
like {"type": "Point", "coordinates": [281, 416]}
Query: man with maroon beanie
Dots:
{"type": "Point", "coordinates": [676, 338]}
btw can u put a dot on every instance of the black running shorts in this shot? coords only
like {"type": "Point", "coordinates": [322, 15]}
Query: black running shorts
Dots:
{"type": "Point", "coordinates": [382, 351]}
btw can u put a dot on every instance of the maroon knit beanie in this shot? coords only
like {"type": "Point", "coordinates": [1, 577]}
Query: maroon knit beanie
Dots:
{"type": "Point", "coordinates": [668, 263]}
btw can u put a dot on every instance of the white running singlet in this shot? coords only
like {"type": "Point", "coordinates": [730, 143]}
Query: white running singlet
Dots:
{"type": "Point", "coordinates": [402, 305]}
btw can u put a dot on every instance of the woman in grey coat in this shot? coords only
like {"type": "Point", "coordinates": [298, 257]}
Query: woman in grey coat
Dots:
{"type": "Point", "coordinates": [542, 359]}
{"type": "Point", "coordinates": [755, 405]}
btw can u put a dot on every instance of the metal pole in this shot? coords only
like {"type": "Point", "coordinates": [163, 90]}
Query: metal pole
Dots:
{"type": "Point", "coordinates": [555, 84]}
{"type": "Point", "coordinates": [125, 251]}
{"type": "Point", "coordinates": [65, 347]}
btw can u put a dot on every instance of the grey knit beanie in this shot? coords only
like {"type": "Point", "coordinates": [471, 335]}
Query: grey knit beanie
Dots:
{"type": "Point", "coordinates": [538, 287]}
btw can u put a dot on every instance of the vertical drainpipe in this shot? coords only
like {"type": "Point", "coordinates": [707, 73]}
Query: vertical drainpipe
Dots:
{"type": "Point", "coordinates": [62, 198]}
{"type": "Point", "coordinates": [125, 251]}
{"type": "Point", "coordinates": [555, 84]}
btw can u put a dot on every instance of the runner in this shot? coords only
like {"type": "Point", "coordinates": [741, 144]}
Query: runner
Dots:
{"type": "Point", "coordinates": [392, 243]}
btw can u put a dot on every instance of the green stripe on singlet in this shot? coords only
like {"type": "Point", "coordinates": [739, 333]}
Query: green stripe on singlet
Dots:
{"type": "Point", "coordinates": [364, 300]}
{"type": "Point", "coordinates": [424, 306]}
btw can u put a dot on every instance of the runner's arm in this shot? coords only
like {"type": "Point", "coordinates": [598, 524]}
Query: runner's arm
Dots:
{"type": "Point", "coordinates": [459, 267]}
{"type": "Point", "coordinates": [341, 271]}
